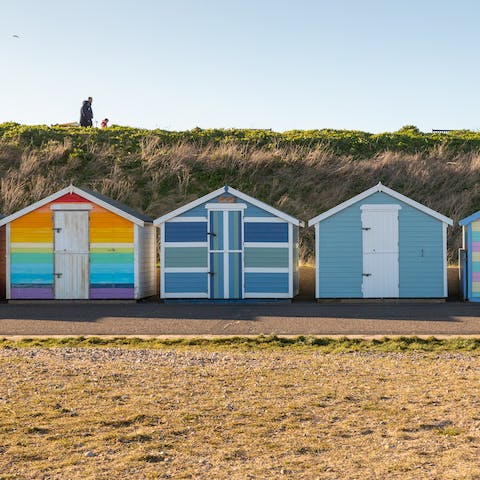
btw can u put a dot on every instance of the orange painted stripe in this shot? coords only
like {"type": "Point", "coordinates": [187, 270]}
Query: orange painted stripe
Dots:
{"type": "Point", "coordinates": [105, 226]}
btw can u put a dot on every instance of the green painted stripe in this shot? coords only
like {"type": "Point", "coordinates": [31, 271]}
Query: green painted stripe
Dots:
{"type": "Point", "coordinates": [31, 258]}
{"type": "Point", "coordinates": [186, 257]}
{"type": "Point", "coordinates": [31, 250]}
{"type": "Point", "coordinates": [266, 257]}
{"type": "Point", "coordinates": [111, 258]}
{"type": "Point", "coordinates": [111, 250]}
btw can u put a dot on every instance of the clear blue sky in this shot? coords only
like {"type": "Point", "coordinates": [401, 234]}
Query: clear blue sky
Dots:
{"type": "Point", "coordinates": [372, 65]}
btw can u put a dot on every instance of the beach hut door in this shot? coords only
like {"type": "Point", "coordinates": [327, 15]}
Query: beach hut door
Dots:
{"type": "Point", "coordinates": [71, 247]}
{"type": "Point", "coordinates": [225, 253]}
{"type": "Point", "coordinates": [380, 251]}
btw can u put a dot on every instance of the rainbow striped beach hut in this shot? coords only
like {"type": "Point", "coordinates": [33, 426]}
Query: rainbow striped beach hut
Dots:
{"type": "Point", "coordinates": [469, 258]}
{"type": "Point", "coordinates": [78, 244]}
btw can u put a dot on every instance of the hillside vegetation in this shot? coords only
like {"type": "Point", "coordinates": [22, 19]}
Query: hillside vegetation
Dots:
{"type": "Point", "coordinates": [300, 172]}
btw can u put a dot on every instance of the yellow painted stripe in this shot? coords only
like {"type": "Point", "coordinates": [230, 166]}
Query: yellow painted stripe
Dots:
{"type": "Point", "coordinates": [476, 226]}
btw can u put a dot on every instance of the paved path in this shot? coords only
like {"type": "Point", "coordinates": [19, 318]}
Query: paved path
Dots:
{"type": "Point", "coordinates": [451, 318]}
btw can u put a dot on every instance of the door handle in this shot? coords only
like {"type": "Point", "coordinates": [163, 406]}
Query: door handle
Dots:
{"type": "Point", "coordinates": [212, 234]}
{"type": "Point", "coordinates": [366, 228]}
{"type": "Point", "coordinates": [367, 274]}
{"type": "Point", "coordinates": [211, 273]}
{"type": "Point", "coordinates": [57, 229]}
{"type": "Point", "coordinates": [58, 275]}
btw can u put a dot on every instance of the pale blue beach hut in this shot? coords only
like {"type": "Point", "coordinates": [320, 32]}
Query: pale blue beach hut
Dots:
{"type": "Point", "coordinates": [381, 244]}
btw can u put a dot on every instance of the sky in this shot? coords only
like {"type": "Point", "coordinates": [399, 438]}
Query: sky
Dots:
{"type": "Point", "coordinates": [372, 65]}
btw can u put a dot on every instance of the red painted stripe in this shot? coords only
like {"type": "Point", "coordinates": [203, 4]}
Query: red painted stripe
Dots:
{"type": "Point", "coordinates": [71, 198]}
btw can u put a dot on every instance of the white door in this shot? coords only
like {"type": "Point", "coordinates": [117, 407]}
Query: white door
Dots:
{"type": "Point", "coordinates": [380, 251]}
{"type": "Point", "coordinates": [71, 234]}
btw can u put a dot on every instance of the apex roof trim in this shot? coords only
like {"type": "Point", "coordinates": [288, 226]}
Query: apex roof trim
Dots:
{"type": "Point", "coordinates": [101, 200]}
{"type": "Point", "coordinates": [233, 191]}
{"type": "Point", "coordinates": [380, 188]}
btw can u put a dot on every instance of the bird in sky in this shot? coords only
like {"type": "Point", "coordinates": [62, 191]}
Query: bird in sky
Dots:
{"type": "Point", "coordinates": [16, 36]}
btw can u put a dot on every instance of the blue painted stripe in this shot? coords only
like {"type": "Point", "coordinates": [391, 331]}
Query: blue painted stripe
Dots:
{"type": "Point", "coordinates": [30, 278]}
{"type": "Point", "coordinates": [186, 282]}
{"type": "Point", "coordinates": [216, 280]}
{"type": "Point", "coordinates": [235, 280]}
{"type": "Point", "coordinates": [111, 285]}
{"type": "Point", "coordinates": [235, 230]}
{"type": "Point", "coordinates": [216, 230]}
{"type": "Point", "coordinates": [186, 232]}
{"type": "Point", "coordinates": [266, 232]}
{"type": "Point", "coordinates": [266, 282]}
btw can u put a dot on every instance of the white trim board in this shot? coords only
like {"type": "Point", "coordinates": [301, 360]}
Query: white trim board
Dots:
{"type": "Point", "coordinates": [226, 206]}
{"type": "Point", "coordinates": [185, 244]}
{"type": "Point", "coordinates": [380, 188]}
{"type": "Point", "coordinates": [266, 244]}
{"type": "Point", "coordinates": [186, 295]}
{"type": "Point", "coordinates": [237, 193]}
{"type": "Point", "coordinates": [66, 191]}
{"type": "Point", "coordinates": [186, 269]}
{"type": "Point", "coordinates": [70, 206]}
{"type": "Point", "coordinates": [188, 219]}
{"type": "Point", "coordinates": [264, 220]}
{"type": "Point", "coordinates": [267, 295]}
{"type": "Point", "coordinates": [266, 270]}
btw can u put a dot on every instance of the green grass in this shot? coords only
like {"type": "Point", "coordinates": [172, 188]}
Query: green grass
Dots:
{"type": "Point", "coordinates": [322, 344]}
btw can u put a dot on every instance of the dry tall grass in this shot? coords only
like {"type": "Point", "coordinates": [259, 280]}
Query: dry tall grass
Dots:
{"type": "Point", "coordinates": [299, 180]}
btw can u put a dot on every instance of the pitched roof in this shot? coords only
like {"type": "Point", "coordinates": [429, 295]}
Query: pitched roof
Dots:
{"type": "Point", "coordinates": [380, 188]}
{"type": "Point", "coordinates": [234, 192]}
{"type": "Point", "coordinates": [471, 218]}
{"type": "Point", "coordinates": [105, 202]}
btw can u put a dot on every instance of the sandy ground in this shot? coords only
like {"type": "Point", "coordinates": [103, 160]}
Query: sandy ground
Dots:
{"type": "Point", "coordinates": [206, 414]}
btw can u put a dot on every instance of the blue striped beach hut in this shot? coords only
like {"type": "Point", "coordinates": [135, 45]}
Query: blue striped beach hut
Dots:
{"type": "Point", "coordinates": [381, 244]}
{"type": "Point", "coordinates": [228, 246]}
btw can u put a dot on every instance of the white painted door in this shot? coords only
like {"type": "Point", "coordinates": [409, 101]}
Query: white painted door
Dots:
{"type": "Point", "coordinates": [71, 240]}
{"type": "Point", "coordinates": [380, 251]}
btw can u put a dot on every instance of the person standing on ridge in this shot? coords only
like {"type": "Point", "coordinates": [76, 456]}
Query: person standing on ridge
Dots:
{"type": "Point", "coordinates": [86, 113]}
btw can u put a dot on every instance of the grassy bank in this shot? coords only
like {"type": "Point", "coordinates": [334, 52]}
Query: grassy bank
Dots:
{"type": "Point", "coordinates": [197, 413]}
{"type": "Point", "coordinates": [302, 173]}
{"type": "Point", "coordinates": [305, 343]}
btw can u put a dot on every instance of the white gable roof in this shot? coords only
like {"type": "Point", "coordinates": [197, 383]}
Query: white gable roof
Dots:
{"type": "Point", "coordinates": [237, 194]}
{"type": "Point", "coordinates": [71, 189]}
{"type": "Point", "coordinates": [380, 188]}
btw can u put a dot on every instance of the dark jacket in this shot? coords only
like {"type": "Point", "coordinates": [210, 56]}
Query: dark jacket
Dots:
{"type": "Point", "coordinates": [86, 114]}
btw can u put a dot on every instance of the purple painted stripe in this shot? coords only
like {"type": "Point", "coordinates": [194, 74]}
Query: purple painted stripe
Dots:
{"type": "Point", "coordinates": [40, 293]}
{"type": "Point", "coordinates": [475, 246]}
{"type": "Point", "coordinates": [475, 276]}
{"type": "Point", "coordinates": [106, 293]}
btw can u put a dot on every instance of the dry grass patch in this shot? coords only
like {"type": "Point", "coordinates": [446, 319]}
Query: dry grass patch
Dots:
{"type": "Point", "coordinates": [206, 413]}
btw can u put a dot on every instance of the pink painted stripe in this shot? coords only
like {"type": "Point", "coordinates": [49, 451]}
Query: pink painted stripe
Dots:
{"type": "Point", "coordinates": [41, 293]}
{"type": "Point", "coordinates": [111, 293]}
{"type": "Point", "coordinates": [475, 246]}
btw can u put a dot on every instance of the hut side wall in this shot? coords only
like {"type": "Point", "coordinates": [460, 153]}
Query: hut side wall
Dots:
{"type": "Point", "coordinates": [145, 261]}
{"type": "Point", "coordinates": [421, 254]}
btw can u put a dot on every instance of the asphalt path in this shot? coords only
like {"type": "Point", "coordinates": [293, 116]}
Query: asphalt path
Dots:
{"type": "Point", "coordinates": [368, 319]}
